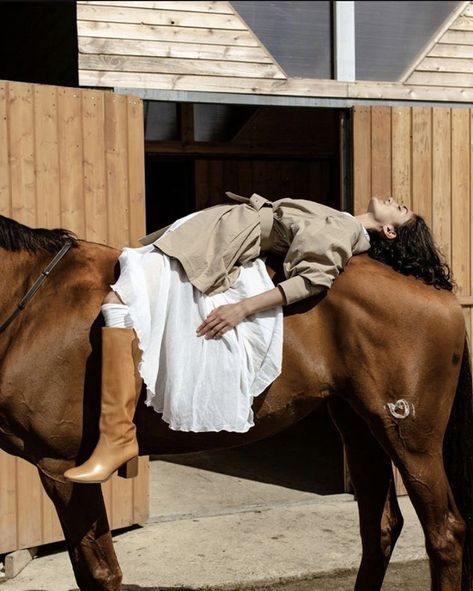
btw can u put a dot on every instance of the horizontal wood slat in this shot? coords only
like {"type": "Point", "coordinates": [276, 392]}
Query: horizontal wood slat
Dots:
{"type": "Point", "coordinates": [458, 37]}
{"type": "Point", "coordinates": [193, 6]}
{"type": "Point", "coordinates": [452, 51]}
{"type": "Point", "coordinates": [170, 18]}
{"type": "Point", "coordinates": [213, 83]}
{"type": "Point", "coordinates": [468, 10]}
{"type": "Point", "coordinates": [462, 80]}
{"type": "Point", "coordinates": [95, 45]}
{"type": "Point", "coordinates": [168, 66]}
{"type": "Point", "coordinates": [439, 64]}
{"type": "Point", "coordinates": [160, 33]}
{"type": "Point", "coordinates": [462, 23]}
{"type": "Point", "coordinates": [175, 43]}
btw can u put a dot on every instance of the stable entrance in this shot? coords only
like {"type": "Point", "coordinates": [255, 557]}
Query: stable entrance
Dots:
{"type": "Point", "coordinates": [196, 152]}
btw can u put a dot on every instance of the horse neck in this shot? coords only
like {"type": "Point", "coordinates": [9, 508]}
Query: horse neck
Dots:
{"type": "Point", "coordinates": [19, 270]}
{"type": "Point", "coordinates": [18, 267]}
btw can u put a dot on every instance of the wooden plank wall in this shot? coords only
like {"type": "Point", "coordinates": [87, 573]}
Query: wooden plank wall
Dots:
{"type": "Point", "coordinates": [448, 61]}
{"type": "Point", "coordinates": [154, 44]}
{"type": "Point", "coordinates": [75, 159]}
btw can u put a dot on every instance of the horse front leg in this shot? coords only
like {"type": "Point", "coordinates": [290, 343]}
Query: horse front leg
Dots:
{"type": "Point", "coordinates": [81, 511]}
{"type": "Point", "coordinates": [371, 473]}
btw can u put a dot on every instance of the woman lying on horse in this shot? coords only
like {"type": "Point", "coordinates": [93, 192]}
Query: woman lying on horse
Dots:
{"type": "Point", "coordinates": [208, 253]}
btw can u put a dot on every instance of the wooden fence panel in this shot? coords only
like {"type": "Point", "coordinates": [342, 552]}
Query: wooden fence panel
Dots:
{"type": "Point", "coordinates": [69, 158]}
{"type": "Point", "coordinates": [422, 162]}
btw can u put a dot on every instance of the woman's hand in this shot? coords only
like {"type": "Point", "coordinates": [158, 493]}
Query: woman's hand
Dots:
{"type": "Point", "coordinates": [222, 319]}
{"type": "Point", "coordinates": [226, 317]}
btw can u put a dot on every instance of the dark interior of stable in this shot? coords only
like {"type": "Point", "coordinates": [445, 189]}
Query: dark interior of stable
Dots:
{"type": "Point", "coordinates": [196, 152]}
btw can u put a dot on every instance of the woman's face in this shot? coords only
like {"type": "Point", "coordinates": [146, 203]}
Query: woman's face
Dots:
{"type": "Point", "coordinates": [388, 212]}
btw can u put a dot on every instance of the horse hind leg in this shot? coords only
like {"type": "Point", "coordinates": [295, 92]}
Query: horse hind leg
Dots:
{"type": "Point", "coordinates": [83, 518]}
{"type": "Point", "coordinates": [371, 473]}
{"type": "Point", "coordinates": [414, 444]}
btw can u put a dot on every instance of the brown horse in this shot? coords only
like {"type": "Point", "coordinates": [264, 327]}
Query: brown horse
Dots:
{"type": "Point", "coordinates": [377, 337]}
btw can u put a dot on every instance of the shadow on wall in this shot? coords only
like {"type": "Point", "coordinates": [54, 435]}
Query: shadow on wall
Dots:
{"type": "Point", "coordinates": [306, 457]}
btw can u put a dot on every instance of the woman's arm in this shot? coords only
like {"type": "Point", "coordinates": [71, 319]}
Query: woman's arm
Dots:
{"type": "Point", "coordinates": [223, 318]}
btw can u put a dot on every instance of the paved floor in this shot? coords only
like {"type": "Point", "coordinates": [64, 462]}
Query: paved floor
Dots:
{"type": "Point", "coordinates": [258, 518]}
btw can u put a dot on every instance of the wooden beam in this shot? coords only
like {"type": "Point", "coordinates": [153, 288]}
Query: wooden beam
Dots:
{"type": "Point", "coordinates": [293, 87]}
{"type": "Point", "coordinates": [224, 149]}
{"type": "Point", "coordinates": [186, 120]}
{"type": "Point", "coordinates": [465, 301]}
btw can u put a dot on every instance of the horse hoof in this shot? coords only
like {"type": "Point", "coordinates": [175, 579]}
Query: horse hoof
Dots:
{"type": "Point", "coordinates": [129, 469]}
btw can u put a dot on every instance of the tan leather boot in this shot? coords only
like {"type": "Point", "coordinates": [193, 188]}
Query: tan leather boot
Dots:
{"type": "Point", "coordinates": [117, 447]}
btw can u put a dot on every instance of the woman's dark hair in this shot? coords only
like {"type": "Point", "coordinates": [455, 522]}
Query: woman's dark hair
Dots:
{"type": "Point", "coordinates": [413, 252]}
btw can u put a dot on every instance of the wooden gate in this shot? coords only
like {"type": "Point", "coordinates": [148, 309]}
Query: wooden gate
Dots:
{"type": "Point", "coordinates": [422, 156]}
{"type": "Point", "coordinates": [69, 158]}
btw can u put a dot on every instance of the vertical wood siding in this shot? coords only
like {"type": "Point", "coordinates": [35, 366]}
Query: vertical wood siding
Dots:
{"type": "Point", "coordinates": [423, 157]}
{"type": "Point", "coordinates": [75, 159]}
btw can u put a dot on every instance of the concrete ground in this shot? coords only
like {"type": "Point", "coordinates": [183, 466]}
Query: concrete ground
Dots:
{"type": "Point", "coordinates": [268, 516]}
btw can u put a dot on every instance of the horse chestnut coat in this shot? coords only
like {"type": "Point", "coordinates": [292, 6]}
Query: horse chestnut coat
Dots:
{"type": "Point", "coordinates": [315, 240]}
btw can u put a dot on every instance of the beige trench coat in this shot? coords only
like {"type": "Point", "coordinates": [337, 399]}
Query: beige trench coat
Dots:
{"type": "Point", "coordinates": [315, 240]}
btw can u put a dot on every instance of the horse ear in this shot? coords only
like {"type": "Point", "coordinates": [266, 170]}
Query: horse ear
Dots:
{"type": "Point", "coordinates": [388, 232]}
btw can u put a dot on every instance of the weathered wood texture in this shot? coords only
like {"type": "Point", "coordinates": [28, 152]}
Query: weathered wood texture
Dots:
{"type": "Point", "coordinates": [142, 40]}
{"type": "Point", "coordinates": [69, 158]}
{"type": "Point", "coordinates": [206, 46]}
{"type": "Point", "coordinates": [448, 60]}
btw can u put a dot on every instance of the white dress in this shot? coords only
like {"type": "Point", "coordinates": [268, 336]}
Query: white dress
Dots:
{"type": "Point", "coordinates": [198, 384]}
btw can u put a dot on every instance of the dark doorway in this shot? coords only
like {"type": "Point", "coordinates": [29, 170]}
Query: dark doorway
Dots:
{"type": "Point", "coordinates": [38, 43]}
{"type": "Point", "coordinates": [194, 154]}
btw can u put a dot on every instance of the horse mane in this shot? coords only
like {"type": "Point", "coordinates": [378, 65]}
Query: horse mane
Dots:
{"type": "Point", "coordinates": [15, 237]}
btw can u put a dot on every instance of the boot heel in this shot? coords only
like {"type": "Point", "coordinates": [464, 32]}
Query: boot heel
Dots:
{"type": "Point", "coordinates": [129, 469]}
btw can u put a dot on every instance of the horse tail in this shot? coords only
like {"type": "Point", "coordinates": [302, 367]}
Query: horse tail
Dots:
{"type": "Point", "coordinates": [458, 458]}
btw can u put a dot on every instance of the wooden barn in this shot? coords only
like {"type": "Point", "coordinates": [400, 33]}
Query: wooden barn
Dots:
{"type": "Point", "coordinates": [120, 116]}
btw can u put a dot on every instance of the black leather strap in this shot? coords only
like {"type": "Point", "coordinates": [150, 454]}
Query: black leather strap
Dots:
{"type": "Point", "coordinates": [36, 285]}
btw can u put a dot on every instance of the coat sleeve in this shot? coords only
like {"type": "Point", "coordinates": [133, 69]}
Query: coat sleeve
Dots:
{"type": "Point", "coordinates": [316, 255]}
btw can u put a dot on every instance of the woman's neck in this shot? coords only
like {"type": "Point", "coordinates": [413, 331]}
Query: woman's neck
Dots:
{"type": "Point", "coordinates": [368, 221]}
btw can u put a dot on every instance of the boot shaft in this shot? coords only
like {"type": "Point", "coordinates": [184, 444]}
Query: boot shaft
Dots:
{"type": "Point", "coordinates": [121, 382]}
